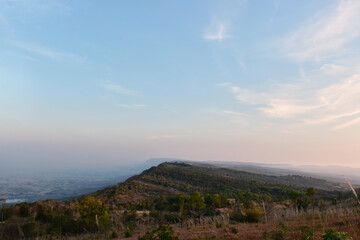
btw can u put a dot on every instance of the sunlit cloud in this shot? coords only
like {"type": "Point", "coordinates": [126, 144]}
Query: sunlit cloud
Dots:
{"type": "Point", "coordinates": [337, 104]}
{"type": "Point", "coordinates": [326, 35]}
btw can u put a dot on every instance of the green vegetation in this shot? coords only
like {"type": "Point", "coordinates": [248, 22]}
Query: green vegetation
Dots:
{"type": "Point", "coordinates": [114, 234]}
{"type": "Point", "coordinates": [180, 178]}
{"type": "Point", "coordinates": [53, 218]}
{"type": "Point", "coordinates": [181, 195]}
{"type": "Point", "coordinates": [127, 232]}
{"type": "Point", "coordinates": [307, 233]}
{"type": "Point", "coordinates": [332, 234]}
{"type": "Point", "coordinates": [164, 232]}
{"type": "Point", "coordinates": [93, 214]}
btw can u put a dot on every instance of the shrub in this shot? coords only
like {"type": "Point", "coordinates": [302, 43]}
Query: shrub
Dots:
{"type": "Point", "coordinates": [341, 223]}
{"type": "Point", "coordinates": [114, 235]}
{"type": "Point", "coordinates": [254, 213]}
{"type": "Point", "coordinates": [12, 231]}
{"type": "Point", "coordinates": [218, 224]}
{"type": "Point", "coordinates": [29, 230]}
{"type": "Point", "coordinates": [24, 209]}
{"type": "Point", "coordinates": [164, 232]}
{"type": "Point", "coordinates": [234, 230]}
{"type": "Point", "coordinates": [236, 216]}
{"type": "Point", "coordinates": [277, 234]}
{"type": "Point", "coordinates": [157, 215]}
{"type": "Point", "coordinates": [127, 232]}
{"type": "Point", "coordinates": [332, 234]}
{"type": "Point", "coordinates": [307, 233]}
{"type": "Point", "coordinates": [172, 218]}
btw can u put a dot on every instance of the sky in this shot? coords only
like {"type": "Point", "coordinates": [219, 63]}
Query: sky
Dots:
{"type": "Point", "coordinates": [105, 83]}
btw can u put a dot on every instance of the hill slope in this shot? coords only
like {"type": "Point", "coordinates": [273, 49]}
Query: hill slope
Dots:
{"type": "Point", "coordinates": [179, 178]}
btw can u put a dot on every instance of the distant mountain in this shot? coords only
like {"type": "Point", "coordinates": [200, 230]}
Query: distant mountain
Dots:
{"type": "Point", "coordinates": [184, 178]}
{"type": "Point", "coordinates": [329, 173]}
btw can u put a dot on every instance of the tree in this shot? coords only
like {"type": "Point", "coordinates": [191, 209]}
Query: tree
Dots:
{"type": "Point", "coordinates": [182, 199]}
{"type": "Point", "coordinates": [197, 201]}
{"type": "Point", "coordinates": [215, 201]}
{"type": "Point", "coordinates": [295, 197]}
{"type": "Point", "coordinates": [310, 193]}
{"type": "Point", "coordinates": [24, 209]}
{"type": "Point", "coordinates": [94, 214]}
{"type": "Point", "coordinates": [254, 213]}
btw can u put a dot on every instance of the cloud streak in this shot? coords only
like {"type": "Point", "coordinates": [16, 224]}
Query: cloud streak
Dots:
{"type": "Point", "coordinates": [49, 53]}
{"type": "Point", "coordinates": [216, 33]}
{"type": "Point", "coordinates": [326, 35]}
{"type": "Point", "coordinates": [120, 89]}
{"type": "Point", "coordinates": [337, 104]}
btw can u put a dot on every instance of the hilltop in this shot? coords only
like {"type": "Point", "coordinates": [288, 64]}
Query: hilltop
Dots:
{"type": "Point", "coordinates": [188, 199]}
{"type": "Point", "coordinates": [172, 178]}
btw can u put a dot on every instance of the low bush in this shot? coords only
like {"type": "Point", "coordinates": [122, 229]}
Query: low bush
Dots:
{"type": "Point", "coordinates": [332, 234]}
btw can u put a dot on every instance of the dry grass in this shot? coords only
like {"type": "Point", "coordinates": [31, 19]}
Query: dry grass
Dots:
{"type": "Point", "coordinates": [343, 217]}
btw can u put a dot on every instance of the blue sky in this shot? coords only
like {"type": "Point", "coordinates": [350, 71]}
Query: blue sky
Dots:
{"type": "Point", "coordinates": [123, 81]}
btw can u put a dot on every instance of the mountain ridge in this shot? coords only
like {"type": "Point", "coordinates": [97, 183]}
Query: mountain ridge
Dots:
{"type": "Point", "coordinates": [173, 178]}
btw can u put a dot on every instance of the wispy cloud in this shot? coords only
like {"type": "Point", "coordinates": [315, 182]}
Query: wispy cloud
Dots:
{"type": "Point", "coordinates": [328, 95]}
{"type": "Point", "coordinates": [223, 84]}
{"type": "Point", "coordinates": [327, 34]}
{"type": "Point", "coordinates": [347, 124]}
{"type": "Point", "coordinates": [330, 118]}
{"type": "Point", "coordinates": [49, 53]}
{"type": "Point", "coordinates": [132, 106]}
{"type": "Point", "coordinates": [216, 32]}
{"type": "Point", "coordinates": [231, 114]}
{"type": "Point", "coordinates": [337, 104]}
{"type": "Point", "coordinates": [120, 89]}
{"type": "Point", "coordinates": [223, 16]}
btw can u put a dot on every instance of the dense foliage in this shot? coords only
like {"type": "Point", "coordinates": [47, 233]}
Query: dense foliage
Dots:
{"type": "Point", "coordinates": [54, 218]}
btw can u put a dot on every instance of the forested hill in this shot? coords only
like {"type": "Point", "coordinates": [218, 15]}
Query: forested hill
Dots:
{"type": "Point", "coordinates": [184, 178]}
